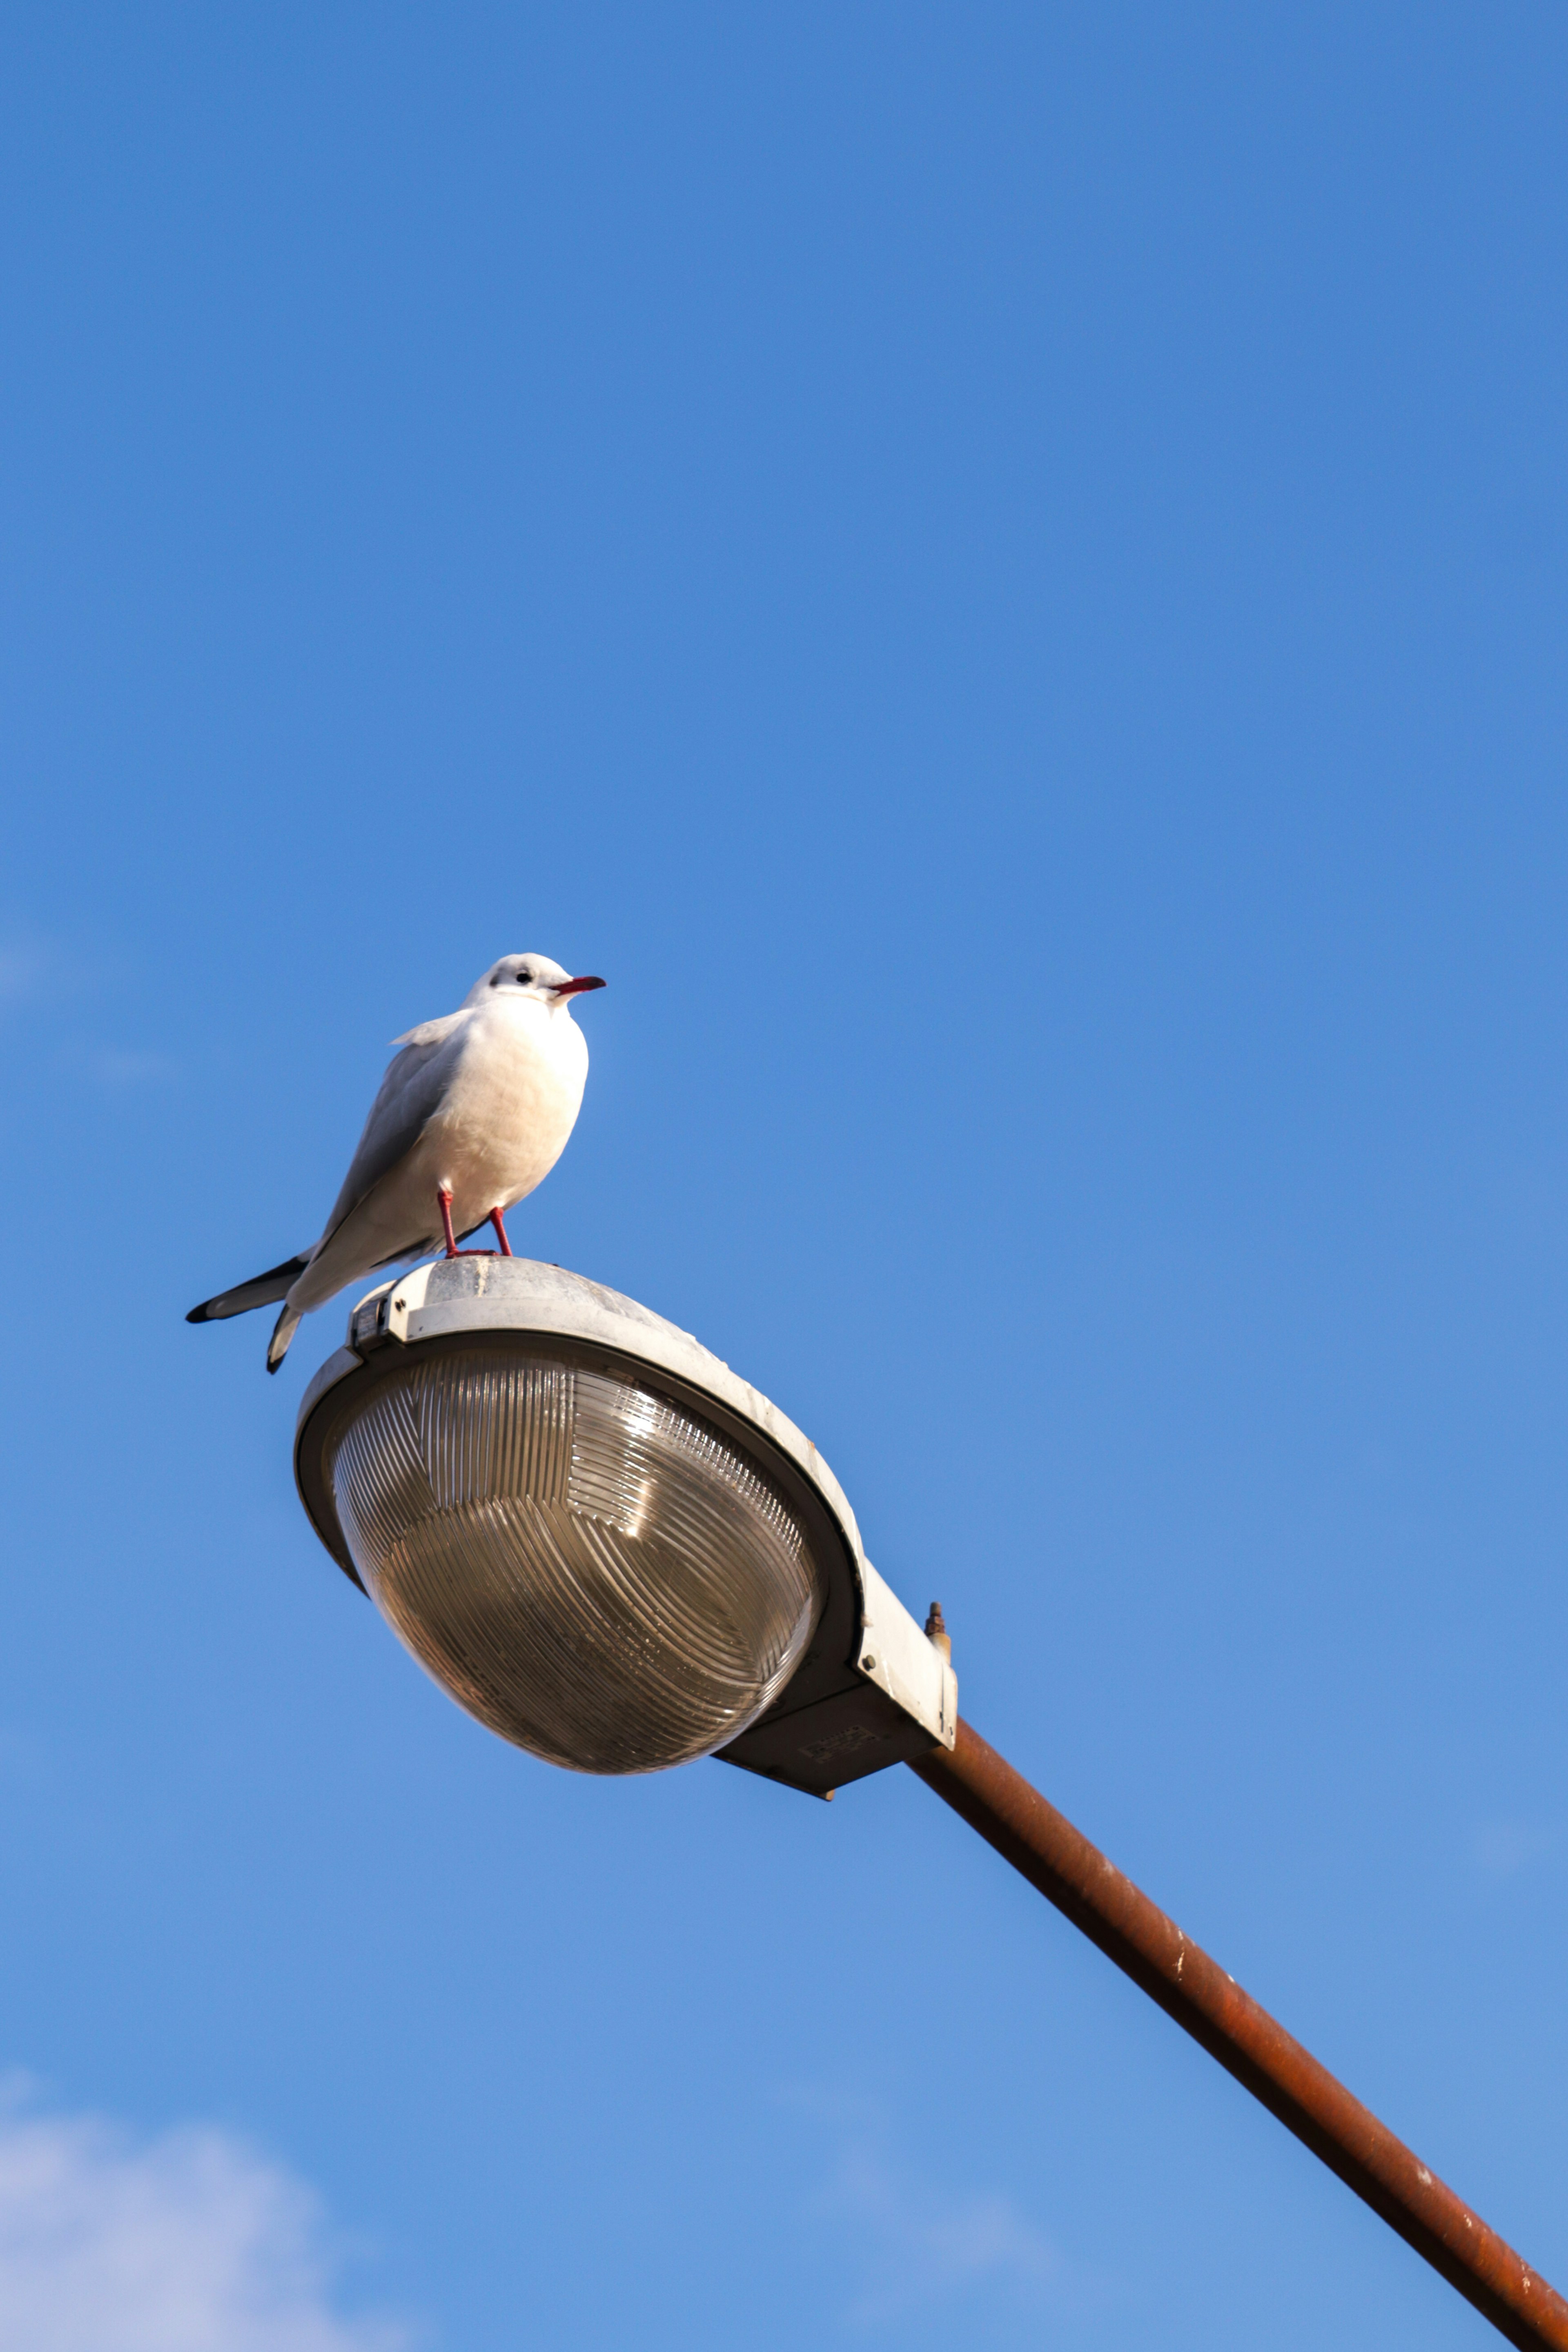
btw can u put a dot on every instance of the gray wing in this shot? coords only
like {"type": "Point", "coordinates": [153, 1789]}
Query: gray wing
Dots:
{"type": "Point", "coordinates": [408, 1096]}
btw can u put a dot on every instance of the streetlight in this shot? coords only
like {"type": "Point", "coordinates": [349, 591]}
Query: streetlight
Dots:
{"type": "Point", "coordinates": [612, 1551]}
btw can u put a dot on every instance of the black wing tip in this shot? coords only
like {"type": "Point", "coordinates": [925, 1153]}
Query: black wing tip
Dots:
{"type": "Point", "coordinates": [227, 1303]}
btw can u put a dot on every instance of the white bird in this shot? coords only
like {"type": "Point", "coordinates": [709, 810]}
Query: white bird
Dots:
{"type": "Point", "coordinates": [473, 1113]}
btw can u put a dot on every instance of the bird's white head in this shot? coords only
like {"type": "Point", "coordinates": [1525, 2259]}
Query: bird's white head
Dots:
{"type": "Point", "coordinates": [532, 977]}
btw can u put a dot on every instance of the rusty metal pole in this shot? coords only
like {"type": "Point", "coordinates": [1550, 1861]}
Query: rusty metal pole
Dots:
{"type": "Point", "coordinates": [1211, 2006]}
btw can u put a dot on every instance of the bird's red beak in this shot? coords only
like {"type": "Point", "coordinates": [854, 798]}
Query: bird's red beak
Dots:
{"type": "Point", "coordinates": [577, 987]}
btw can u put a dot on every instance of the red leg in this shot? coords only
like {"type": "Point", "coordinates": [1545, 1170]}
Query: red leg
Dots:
{"type": "Point", "coordinates": [444, 1197]}
{"type": "Point", "coordinates": [500, 1232]}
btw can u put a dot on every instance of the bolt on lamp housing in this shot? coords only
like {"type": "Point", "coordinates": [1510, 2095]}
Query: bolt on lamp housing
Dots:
{"type": "Point", "coordinates": [600, 1542]}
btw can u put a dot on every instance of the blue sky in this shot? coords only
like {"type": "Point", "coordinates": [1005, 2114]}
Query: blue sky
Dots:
{"type": "Point", "coordinates": [1001, 573]}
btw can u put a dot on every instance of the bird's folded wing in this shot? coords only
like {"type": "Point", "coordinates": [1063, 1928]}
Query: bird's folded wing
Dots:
{"type": "Point", "coordinates": [429, 1033]}
{"type": "Point", "coordinates": [410, 1092]}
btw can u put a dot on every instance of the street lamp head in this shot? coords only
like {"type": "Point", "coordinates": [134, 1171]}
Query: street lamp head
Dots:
{"type": "Point", "coordinates": [599, 1541]}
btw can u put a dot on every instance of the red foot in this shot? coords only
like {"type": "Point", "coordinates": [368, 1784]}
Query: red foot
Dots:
{"type": "Point", "coordinates": [444, 1197]}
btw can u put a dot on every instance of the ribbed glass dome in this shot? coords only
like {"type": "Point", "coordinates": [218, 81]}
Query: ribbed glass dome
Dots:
{"type": "Point", "coordinates": [594, 1572]}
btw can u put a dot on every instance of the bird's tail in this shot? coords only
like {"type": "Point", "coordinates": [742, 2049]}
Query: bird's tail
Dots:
{"type": "Point", "coordinates": [261, 1290]}
{"type": "Point", "coordinates": [283, 1330]}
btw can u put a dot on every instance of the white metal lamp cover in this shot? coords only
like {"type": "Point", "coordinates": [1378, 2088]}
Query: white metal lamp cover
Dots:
{"type": "Point", "coordinates": [602, 1543]}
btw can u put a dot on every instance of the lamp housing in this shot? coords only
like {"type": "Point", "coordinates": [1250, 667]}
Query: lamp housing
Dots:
{"type": "Point", "coordinates": [602, 1543]}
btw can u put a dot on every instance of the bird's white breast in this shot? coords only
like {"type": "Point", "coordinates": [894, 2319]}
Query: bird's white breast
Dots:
{"type": "Point", "coordinates": [511, 1105]}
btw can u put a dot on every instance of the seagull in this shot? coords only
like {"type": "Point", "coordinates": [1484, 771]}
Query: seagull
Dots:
{"type": "Point", "coordinates": [472, 1114]}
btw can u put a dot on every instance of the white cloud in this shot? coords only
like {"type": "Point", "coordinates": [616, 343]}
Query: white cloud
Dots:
{"type": "Point", "coordinates": [192, 2242]}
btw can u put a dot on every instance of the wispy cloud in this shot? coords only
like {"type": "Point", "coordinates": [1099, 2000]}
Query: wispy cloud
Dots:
{"type": "Point", "coordinates": [124, 1066]}
{"type": "Point", "coordinates": [916, 2244]}
{"type": "Point", "coordinates": [23, 967]}
{"type": "Point", "coordinates": [44, 1000]}
{"type": "Point", "coordinates": [23, 1758]}
{"type": "Point", "coordinates": [192, 2242]}
{"type": "Point", "coordinates": [916, 2240]}
{"type": "Point", "coordinates": [1503, 1848]}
